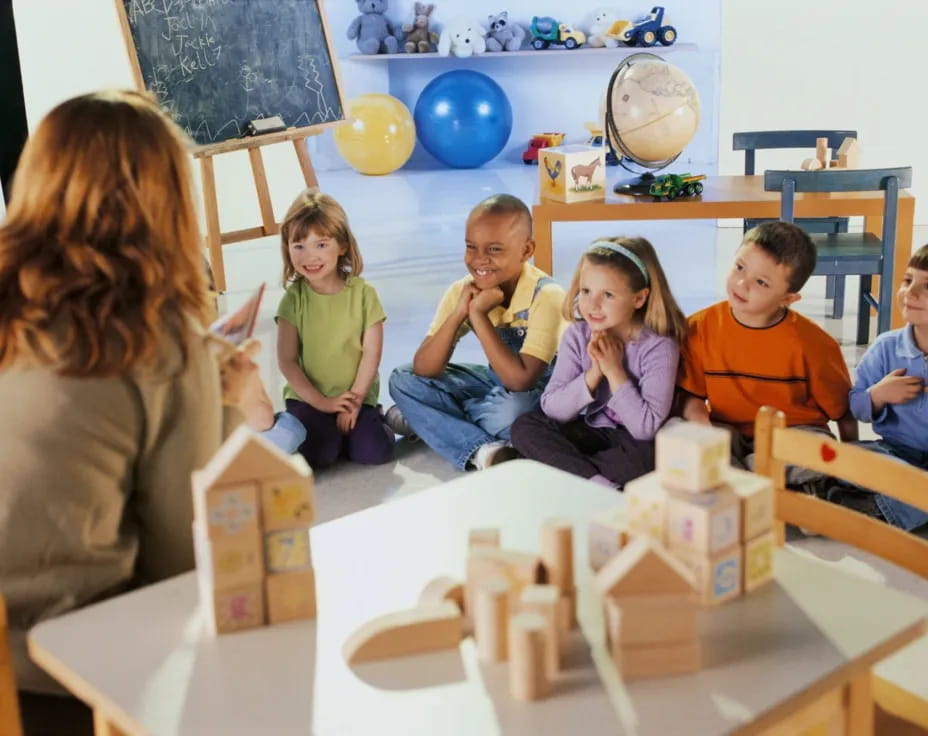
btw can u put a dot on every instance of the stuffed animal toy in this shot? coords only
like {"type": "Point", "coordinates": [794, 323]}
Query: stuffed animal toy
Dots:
{"type": "Point", "coordinates": [462, 37]}
{"type": "Point", "coordinates": [374, 32]}
{"type": "Point", "coordinates": [602, 22]}
{"type": "Point", "coordinates": [503, 35]}
{"type": "Point", "coordinates": [419, 38]}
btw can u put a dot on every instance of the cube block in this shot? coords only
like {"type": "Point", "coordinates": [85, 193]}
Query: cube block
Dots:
{"type": "Point", "coordinates": [716, 578]}
{"type": "Point", "coordinates": [287, 549]}
{"type": "Point", "coordinates": [692, 457]}
{"type": "Point", "coordinates": [573, 173]}
{"type": "Point", "coordinates": [703, 523]}
{"type": "Point", "coordinates": [756, 495]}
{"type": "Point", "coordinates": [645, 507]}
{"type": "Point", "coordinates": [291, 595]}
{"type": "Point", "coordinates": [287, 504]}
{"type": "Point", "coordinates": [758, 560]}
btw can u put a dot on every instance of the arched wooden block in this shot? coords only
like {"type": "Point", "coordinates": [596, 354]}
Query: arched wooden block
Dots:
{"type": "Point", "coordinates": [422, 629]}
{"type": "Point", "coordinates": [443, 588]}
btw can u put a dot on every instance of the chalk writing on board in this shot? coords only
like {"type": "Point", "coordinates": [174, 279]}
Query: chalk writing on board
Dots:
{"type": "Point", "coordinates": [216, 64]}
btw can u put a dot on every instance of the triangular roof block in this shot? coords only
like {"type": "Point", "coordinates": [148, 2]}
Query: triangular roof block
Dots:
{"type": "Point", "coordinates": [643, 567]}
{"type": "Point", "coordinates": [246, 456]}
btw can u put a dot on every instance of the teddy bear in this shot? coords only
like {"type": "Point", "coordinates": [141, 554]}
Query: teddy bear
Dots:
{"type": "Point", "coordinates": [462, 37]}
{"type": "Point", "coordinates": [374, 32]}
{"type": "Point", "coordinates": [503, 35]}
{"type": "Point", "coordinates": [418, 36]}
{"type": "Point", "coordinates": [602, 22]}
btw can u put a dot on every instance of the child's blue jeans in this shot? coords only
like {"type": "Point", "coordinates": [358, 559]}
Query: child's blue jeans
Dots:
{"type": "Point", "coordinates": [896, 512]}
{"type": "Point", "coordinates": [460, 410]}
{"type": "Point", "coordinates": [288, 432]}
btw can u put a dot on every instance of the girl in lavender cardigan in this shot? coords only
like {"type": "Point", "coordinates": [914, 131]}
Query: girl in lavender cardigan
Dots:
{"type": "Point", "coordinates": [613, 381]}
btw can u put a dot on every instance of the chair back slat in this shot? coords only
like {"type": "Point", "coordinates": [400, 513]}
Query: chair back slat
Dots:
{"type": "Point", "coordinates": [870, 535]}
{"type": "Point", "coordinates": [872, 470]}
{"type": "Point", "coordinates": [10, 723]}
{"type": "Point", "coordinates": [838, 180]}
{"type": "Point", "coordinates": [760, 139]}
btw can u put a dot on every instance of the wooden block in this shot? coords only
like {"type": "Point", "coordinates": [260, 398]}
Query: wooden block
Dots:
{"type": "Point", "coordinates": [287, 504]}
{"type": "Point", "coordinates": [645, 507]}
{"type": "Point", "coordinates": [811, 164]}
{"type": "Point", "coordinates": [519, 568]}
{"type": "Point", "coordinates": [756, 495]}
{"type": "Point", "coordinates": [638, 620]}
{"type": "Point", "coordinates": [544, 600]}
{"type": "Point", "coordinates": [290, 596]}
{"type": "Point", "coordinates": [692, 457]}
{"type": "Point", "coordinates": [229, 561]}
{"type": "Point", "coordinates": [703, 523]}
{"type": "Point", "coordinates": [527, 679]}
{"type": "Point", "coordinates": [572, 173]}
{"type": "Point", "coordinates": [557, 552]}
{"type": "Point", "coordinates": [491, 616]}
{"type": "Point", "coordinates": [567, 611]}
{"type": "Point", "coordinates": [758, 561]}
{"type": "Point", "coordinates": [606, 535]}
{"type": "Point", "coordinates": [656, 661]}
{"type": "Point", "coordinates": [422, 629]}
{"type": "Point", "coordinates": [849, 154]}
{"type": "Point", "coordinates": [821, 152]}
{"type": "Point", "coordinates": [483, 538]}
{"type": "Point", "coordinates": [240, 607]}
{"type": "Point", "coordinates": [443, 589]}
{"type": "Point", "coordinates": [717, 578]}
{"type": "Point", "coordinates": [287, 549]}
{"type": "Point", "coordinates": [643, 567]}
{"type": "Point", "coordinates": [227, 510]}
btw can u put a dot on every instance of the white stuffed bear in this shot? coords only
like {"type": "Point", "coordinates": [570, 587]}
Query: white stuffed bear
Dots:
{"type": "Point", "coordinates": [602, 22]}
{"type": "Point", "coordinates": [462, 37]}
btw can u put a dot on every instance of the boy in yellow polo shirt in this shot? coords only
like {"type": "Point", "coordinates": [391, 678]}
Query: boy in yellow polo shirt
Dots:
{"type": "Point", "coordinates": [464, 411]}
{"type": "Point", "coordinates": [753, 350]}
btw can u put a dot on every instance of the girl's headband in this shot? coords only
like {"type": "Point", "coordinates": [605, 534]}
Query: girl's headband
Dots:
{"type": "Point", "coordinates": [622, 250]}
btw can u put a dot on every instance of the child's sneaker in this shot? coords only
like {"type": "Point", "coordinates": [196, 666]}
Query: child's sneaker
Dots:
{"type": "Point", "coordinates": [395, 420]}
{"type": "Point", "coordinates": [493, 453]}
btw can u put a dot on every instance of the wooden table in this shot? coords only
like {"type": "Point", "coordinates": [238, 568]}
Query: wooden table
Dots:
{"type": "Point", "coordinates": [730, 196]}
{"type": "Point", "coordinates": [143, 662]}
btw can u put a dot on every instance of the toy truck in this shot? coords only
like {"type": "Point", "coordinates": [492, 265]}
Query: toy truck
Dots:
{"type": "Point", "coordinates": [645, 31]}
{"type": "Point", "coordinates": [537, 142]}
{"type": "Point", "coordinates": [671, 186]}
{"type": "Point", "coordinates": [546, 30]}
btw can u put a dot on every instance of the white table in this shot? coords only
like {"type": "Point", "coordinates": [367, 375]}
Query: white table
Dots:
{"type": "Point", "coordinates": [144, 661]}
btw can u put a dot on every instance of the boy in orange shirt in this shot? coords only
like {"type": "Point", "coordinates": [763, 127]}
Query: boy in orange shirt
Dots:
{"type": "Point", "coordinates": [753, 350]}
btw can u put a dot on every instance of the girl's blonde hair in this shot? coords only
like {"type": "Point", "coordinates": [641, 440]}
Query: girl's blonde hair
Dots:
{"type": "Point", "coordinates": [314, 211]}
{"type": "Point", "coordinates": [101, 245]}
{"type": "Point", "coordinates": [660, 312]}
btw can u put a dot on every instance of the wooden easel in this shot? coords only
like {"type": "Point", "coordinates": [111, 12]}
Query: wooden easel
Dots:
{"type": "Point", "coordinates": [269, 224]}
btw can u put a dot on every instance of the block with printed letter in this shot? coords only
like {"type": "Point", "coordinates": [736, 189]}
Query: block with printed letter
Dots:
{"type": "Point", "coordinates": [572, 173]}
{"type": "Point", "coordinates": [758, 560]}
{"type": "Point", "coordinates": [290, 595]}
{"type": "Point", "coordinates": [703, 523]}
{"type": "Point", "coordinates": [716, 578]}
{"type": "Point", "coordinates": [287, 549]}
{"type": "Point", "coordinates": [756, 495]}
{"type": "Point", "coordinates": [229, 561]}
{"type": "Point", "coordinates": [645, 507]}
{"type": "Point", "coordinates": [607, 533]}
{"type": "Point", "coordinates": [692, 457]}
{"type": "Point", "coordinates": [237, 608]}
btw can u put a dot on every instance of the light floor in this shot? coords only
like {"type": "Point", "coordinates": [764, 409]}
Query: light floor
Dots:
{"type": "Point", "coordinates": [410, 227]}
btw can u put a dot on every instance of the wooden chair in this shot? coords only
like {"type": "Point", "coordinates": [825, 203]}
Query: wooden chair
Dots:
{"type": "Point", "coordinates": [752, 141]}
{"type": "Point", "coordinates": [10, 724]}
{"type": "Point", "coordinates": [776, 447]}
{"type": "Point", "coordinates": [848, 254]}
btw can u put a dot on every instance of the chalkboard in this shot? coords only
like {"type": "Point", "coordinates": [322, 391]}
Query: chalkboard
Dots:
{"type": "Point", "coordinates": [216, 64]}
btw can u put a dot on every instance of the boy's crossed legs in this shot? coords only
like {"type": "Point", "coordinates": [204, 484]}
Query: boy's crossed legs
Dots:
{"type": "Point", "coordinates": [461, 410]}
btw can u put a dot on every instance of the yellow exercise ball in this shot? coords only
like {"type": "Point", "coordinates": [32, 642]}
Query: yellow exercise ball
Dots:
{"type": "Point", "coordinates": [378, 135]}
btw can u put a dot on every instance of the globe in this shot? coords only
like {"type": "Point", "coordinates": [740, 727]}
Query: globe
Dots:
{"type": "Point", "coordinates": [651, 111]}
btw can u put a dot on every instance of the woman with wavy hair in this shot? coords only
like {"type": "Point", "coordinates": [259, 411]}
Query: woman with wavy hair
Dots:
{"type": "Point", "coordinates": [111, 392]}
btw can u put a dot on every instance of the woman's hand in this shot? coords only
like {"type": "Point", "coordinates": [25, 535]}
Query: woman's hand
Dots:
{"type": "Point", "coordinates": [239, 376]}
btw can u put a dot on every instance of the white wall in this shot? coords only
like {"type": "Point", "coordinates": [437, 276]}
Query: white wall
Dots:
{"type": "Point", "coordinates": [828, 64]}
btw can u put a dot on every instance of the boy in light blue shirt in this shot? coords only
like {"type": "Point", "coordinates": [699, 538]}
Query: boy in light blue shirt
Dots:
{"type": "Point", "coordinates": [890, 392]}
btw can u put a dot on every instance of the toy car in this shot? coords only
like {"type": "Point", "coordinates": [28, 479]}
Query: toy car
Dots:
{"type": "Point", "coordinates": [596, 139]}
{"type": "Point", "coordinates": [546, 30]}
{"type": "Point", "coordinates": [645, 31]}
{"type": "Point", "coordinates": [671, 186]}
{"type": "Point", "coordinates": [537, 142]}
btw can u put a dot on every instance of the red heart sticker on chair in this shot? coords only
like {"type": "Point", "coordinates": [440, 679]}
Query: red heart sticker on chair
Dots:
{"type": "Point", "coordinates": [828, 454]}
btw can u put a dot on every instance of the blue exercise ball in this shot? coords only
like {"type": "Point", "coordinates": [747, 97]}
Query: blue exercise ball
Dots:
{"type": "Point", "coordinates": [463, 118]}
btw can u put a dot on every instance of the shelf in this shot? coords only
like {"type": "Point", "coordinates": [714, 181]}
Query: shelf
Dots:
{"type": "Point", "coordinates": [621, 52]}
